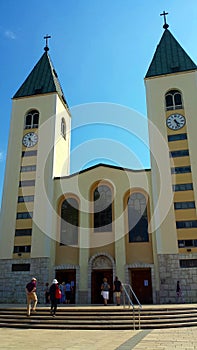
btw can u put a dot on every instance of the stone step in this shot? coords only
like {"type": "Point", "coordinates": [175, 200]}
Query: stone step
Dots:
{"type": "Point", "coordinates": [42, 315]}
{"type": "Point", "coordinates": [99, 318]}
{"type": "Point", "coordinates": [100, 311]}
{"type": "Point", "coordinates": [99, 326]}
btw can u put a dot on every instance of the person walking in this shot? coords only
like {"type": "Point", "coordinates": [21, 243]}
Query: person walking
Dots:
{"type": "Point", "coordinates": [31, 296]}
{"type": "Point", "coordinates": [54, 293]}
{"type": "Point", "coordinates": [179, 294]}
{"type": "Point", "coordinates": [46, 293]}
{"type": "Point", "coordinates": [68, 290]}
{"type": "Point", "coordinates": [63, 296]}
{"type": "Point", "coordinates": [117, 288]}
{"type": "Point", "coordinates": [105, 287]}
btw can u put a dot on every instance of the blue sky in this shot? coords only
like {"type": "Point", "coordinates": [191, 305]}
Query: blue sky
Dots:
{"type": "Point", "coordinates": [101, 50]}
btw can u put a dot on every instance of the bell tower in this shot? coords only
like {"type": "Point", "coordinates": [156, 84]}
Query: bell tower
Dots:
{"type": "Point", "coordinates": [171, 88]}
{"type": "Point", "coordinates": [38, 151]}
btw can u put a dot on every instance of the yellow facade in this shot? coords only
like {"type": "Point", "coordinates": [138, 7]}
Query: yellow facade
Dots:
{"type": "Point", "coordinates": [38, 187]}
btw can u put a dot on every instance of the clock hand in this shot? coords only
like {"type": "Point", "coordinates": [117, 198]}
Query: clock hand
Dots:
{"type": "Point", "coordinates": [177, 123]}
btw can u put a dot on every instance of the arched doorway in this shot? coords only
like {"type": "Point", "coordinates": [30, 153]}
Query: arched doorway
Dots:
{"type": "Point", "coordinates": [102, 266]}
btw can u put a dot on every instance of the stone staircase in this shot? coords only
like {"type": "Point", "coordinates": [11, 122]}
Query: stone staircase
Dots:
{"type": "Point", "coordinates": [99, 317]}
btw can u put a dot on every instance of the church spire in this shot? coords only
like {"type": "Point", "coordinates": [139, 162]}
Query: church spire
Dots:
{"type": "Point", "coordinates": [43, 78]}
{"type": "Point", "coordinates": [169, 57]}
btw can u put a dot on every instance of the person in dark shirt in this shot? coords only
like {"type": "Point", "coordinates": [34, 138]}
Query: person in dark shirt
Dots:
{"type": "Point", "coordinates": [117, 288]}
{"type": "Point", "coordinates": [179, 295]}
{"type": "Point", "coordinates": [46, 293]}
{"type": "Point", "coordinates": [31, 296]}
{"type": "Point", "coordinates": [53, 290]}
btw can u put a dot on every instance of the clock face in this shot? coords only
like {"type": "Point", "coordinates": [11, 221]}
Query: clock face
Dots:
{"type": "Point", "coordinates": [175, 121]}
{"type": "Point", "coordinates": [30, 139]}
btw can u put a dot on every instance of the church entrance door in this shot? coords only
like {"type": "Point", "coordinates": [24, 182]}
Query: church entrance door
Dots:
{"type": "Point", "coordinates": [67, 276]}
{"type": "Point", "coordinates": [97, 280]}
{"type": "Point", "coordinates": [142, 284]}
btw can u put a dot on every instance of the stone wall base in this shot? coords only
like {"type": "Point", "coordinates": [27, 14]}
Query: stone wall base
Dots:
{"type": "Point", "coordinates": [12, 283]}
{"type": "Point", "coordinates": [83, 297]}
{"type": "Point", "coordinates": [170, 272]}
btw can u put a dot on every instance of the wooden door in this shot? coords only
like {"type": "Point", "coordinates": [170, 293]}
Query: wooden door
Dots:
{"type": "Point", "coordinates": [97, 280]}
{"type": "Point", "coordinates": [142, 285]}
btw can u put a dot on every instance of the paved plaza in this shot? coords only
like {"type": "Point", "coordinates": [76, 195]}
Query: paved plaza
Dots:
{"type": "Point", "coordinates": [28, 339]}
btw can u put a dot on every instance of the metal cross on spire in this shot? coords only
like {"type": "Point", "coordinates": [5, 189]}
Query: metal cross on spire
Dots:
{"type": "Point", "coordinates": [46, 37]}
{"type": "Point", "coordinates": [165, 26]}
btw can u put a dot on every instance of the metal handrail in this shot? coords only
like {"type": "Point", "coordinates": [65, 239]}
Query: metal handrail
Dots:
{"type": "Point", "coordinates": [129, 292]}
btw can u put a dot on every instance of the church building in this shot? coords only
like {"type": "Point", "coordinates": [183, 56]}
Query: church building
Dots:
{"type": "Point", "coordinates": [104, 221]}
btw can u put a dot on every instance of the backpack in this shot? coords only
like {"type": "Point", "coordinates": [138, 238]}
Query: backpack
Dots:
{"type": "Point", "coordinates": [58, 293]}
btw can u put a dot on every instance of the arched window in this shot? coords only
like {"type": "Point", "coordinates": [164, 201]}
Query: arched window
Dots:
{"type": "Point", "coordinates": [63, 128]}
{"type": "Point", "coordinates": [137, 218]}
{"type": "Point", "coordinates": [173, 100]}
{"type": "Point", "coordinates": [69, 222]}
{"type": "Point", "coordinates": [102, 209]}
{"type": "Point", "coordinates": [32, 120]}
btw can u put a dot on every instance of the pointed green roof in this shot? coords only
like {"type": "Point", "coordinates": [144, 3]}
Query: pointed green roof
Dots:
{"type": "Point", "coordinates": [169, 57]}
{"type": "Point", "coordinates": [43, 79]}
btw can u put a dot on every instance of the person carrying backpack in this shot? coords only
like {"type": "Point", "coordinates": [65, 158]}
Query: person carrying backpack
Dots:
{"type": "Point", "coordinates": [55, 296]}
{"type": "Point", "coordinates": [31, 296]}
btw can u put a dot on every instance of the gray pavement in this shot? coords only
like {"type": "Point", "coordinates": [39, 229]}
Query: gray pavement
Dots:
{"type": "Point", "coordinates": [161, 339]}
{"type": "Point", "coordinates": [31, 339]}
